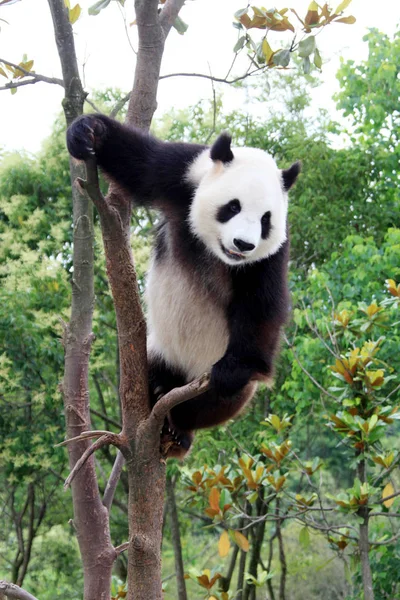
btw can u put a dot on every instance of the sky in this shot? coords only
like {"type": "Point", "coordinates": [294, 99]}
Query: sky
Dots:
{"type": "Point", "coordinates": [106, 58]}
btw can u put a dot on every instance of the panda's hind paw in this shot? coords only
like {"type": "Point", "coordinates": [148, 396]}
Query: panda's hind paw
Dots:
{"type": "Point", "coordinates": [174, 443]}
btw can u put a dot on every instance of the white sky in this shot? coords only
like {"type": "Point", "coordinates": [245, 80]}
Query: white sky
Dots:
{"type": "Point", "coordinates": [102, 46]}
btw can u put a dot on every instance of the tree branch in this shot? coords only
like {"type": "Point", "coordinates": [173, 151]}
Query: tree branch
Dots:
{"type": "Point", "coordinates": [177, 396]}
{"type": "Point", "coordinates": [120, 549]}
{"type": "Point", "coordinates": [35, 77]}
{"type": "Point", "coordinates": [216, 79]}
{"type": "Point", "coordinates": [104, 440]}
{"type": "Point", "coordinates": [113, 481]}
{"type": "Point", "coordinates": [169, 14]}
{"type": "Point", "coordinates": [85, 435]}
{"type": "Point", "coordinates": [11, 591]}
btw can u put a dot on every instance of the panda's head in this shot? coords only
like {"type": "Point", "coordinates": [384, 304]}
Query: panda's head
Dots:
{"type": "Point", "coordinates": [239, 208]}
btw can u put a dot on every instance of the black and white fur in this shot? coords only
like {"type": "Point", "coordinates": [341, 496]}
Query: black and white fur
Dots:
{"type": "Point", "coordinates": [217, 292]}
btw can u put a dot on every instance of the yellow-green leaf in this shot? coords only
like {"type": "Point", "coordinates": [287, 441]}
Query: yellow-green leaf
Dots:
{"type": "Point", "coordinates": [74, 14]}
{"type": "Point", "coordinates": [388, 491]}
{"type": "Point", "coordinates": [241, 541]}
{"type": "Point", "coordinates": [224, 544]}
{"type": "Point", "coordinates": [348, 20]}
{"type": "Point", "coordinates": [267, 50]}
{"type": "Point", "coordinates": [342, 6]}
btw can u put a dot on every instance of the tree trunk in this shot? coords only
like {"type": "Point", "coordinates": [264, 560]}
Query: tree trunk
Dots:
{"type": "Point", "coordinates": [90, 516]}
{"type": "Point", "coordinates": [176, 540]}
{"type": "Point", "coordinates": [282, 557]}
{"type": "Point", "coordinates": [363, 541]}
{"type": "Point", "coordinates": [225, 582]}
{"type": "Point", "coordinates": [240, 580]}
{"type": "Point", "coordinates": [258, 538]}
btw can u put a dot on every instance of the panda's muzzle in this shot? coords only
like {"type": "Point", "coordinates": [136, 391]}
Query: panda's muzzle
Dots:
{"type": "Point", "coordinates": [232, 253]}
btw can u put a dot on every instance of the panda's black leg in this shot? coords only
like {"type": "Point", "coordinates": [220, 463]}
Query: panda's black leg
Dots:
{"type": "Point", "coordinates": [210, 409]}
{"type": "Point", "coordinates": [175, 442]}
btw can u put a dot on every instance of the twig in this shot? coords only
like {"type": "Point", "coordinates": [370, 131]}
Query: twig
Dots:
{"type": "Point", "coordinates": [105, 418]}
{"type": "Point", "coordinates": [119, 105]}
{"type": "Point", "coordinates": [113, 480]}
{"type": "Point", "coordinates": [217, 79]}
{"type": "Point", "coordinates": [85, 435]}
{"type": "Point", "coordinates": [121, 548]}
{"type": "Point", "coordinates": [105, 440]}
{"type": "Point", "coordinates": [92, 104]}
{"type": "Point", "coordinates": [314, 381]}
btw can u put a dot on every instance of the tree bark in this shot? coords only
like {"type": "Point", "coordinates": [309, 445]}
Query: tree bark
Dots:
{"type": "Point", "coordinates": [90, 516]}
{"type": "Point", "coordinates": [176, 540]}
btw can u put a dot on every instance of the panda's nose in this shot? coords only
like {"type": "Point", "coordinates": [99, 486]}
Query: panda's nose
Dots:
{"type": "Point", "coordinates": [243, 246]}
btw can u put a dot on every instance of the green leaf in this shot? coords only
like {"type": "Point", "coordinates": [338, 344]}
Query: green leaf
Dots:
{"type": "Point", "coordinates": [13, 91]}
{"type": "Point", "coordinates": [74, 14]}
{"type": "Point", "coordinates": [373, 421]}
{"type": "Point", "coordinates": [342, 6]}
{"type": "Point", "coordinates": [304, 537]}
{"type": "Point", "coordinates": [180, 26]}
{"type": "Point", "coordinates": [98, 6]}
{"type": "Point", "coordinates": [282, 58]}
{"type": "Point", "coordinates": [239, 13]}
{"type": "Point", "coordinates": [307, 46]}
{"type": "Point", "coordinates": [240, 43]}
{"type": "Point", "coordinates": [348, 20]}
{"type": "Point", "coordinates": [306, 65]}
{"type": "Point", "coordinates": [317, 59]}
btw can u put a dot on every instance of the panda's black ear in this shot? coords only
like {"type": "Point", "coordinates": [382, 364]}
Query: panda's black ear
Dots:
{"type": "Point", "coordinates": [221, 149]}
{"type": "Point", "coordinates": [289, 175]}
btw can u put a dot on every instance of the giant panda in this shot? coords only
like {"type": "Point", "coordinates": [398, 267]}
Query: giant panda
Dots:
{"type": "Point", "coordinates": [217, 294]}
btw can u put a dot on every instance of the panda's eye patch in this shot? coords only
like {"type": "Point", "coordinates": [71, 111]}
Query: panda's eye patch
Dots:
{"type": "Point", "coordinates": [265, 224]}
{"type": "Point", "coordinates": [229, 210]}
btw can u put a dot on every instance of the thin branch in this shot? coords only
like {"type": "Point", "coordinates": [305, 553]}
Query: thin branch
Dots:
{"type": "Point", "coordinates": [36, 77]}
{"type": "Point", "coordinates": [11, 591]}
{"type": "Point", "coordinates": [177, 396]}
{"type": "Point", "coordinates": [396, 389]}
{"type": "Point", "coordinates": [92, 104]}
{"type": "Point", "coordinates": [217, 79]}
{"type": "Point", "coordinates": [121, 548]}
{"type": "Point", "coordinates": [104, 440]}
{"type": "Point", "coordinates": [85, 435]}
{"type": "Point", "coordinates": [314, 381]}
{"type": "Point", "coordinates": [113, 480]}
{"type": "Point", "coordinates": [105, 418]}
{"type": "Point", "coordinates": [120, 105]}
{"type": "Point", "coordinates": [382, 500]}
{"type": "Point", "coordinates": [383, 514]}
{"type": "Point", "coordinates": [386, 542]}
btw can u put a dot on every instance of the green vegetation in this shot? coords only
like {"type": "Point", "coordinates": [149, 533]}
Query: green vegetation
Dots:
{"type": "Point", "coordinates": [291, 487]}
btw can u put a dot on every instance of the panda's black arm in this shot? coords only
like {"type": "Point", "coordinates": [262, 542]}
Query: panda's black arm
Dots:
{"type": "Point", "coordinates": [152, 171]}
{"type": "Point", "coordinates": [257, 312]}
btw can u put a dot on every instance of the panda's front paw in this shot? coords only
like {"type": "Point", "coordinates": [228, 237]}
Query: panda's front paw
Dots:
{"type": "Point", "coordinates": [229, 375]}
{"type": "Point", "coordinates": [85, 136]}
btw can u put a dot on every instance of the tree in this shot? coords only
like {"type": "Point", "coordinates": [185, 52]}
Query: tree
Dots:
{"type": "Point", "coordinates": [139, 439]}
